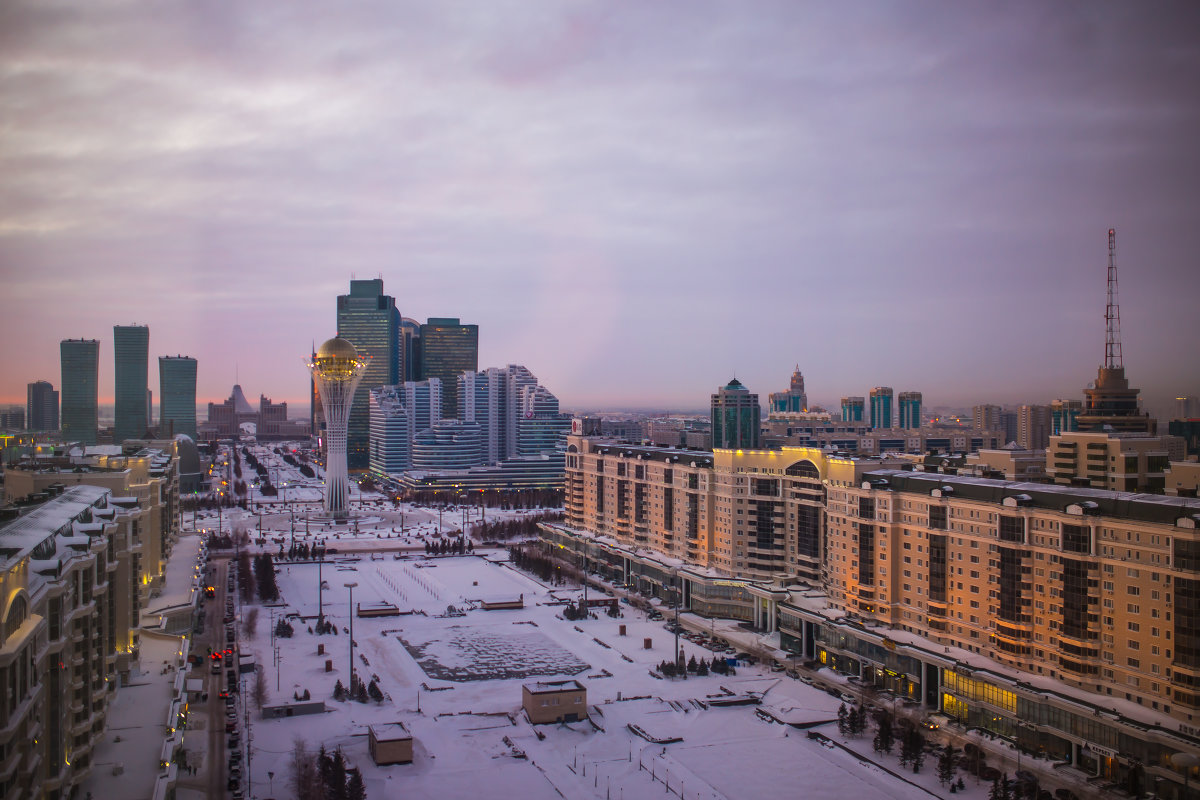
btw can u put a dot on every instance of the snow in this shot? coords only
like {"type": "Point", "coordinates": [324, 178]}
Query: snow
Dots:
{"type": "Point", "coordinates": [466, 673]}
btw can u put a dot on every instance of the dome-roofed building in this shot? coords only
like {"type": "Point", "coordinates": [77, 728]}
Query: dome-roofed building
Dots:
{"type": "Point", "coordinates": [736, 418]}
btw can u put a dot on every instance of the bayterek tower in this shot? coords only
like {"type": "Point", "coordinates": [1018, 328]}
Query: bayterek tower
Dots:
{"type": "Point", "coordinates": [337, 368]}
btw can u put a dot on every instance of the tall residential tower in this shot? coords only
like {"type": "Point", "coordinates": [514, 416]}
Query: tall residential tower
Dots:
{"type": "Point", "coordinates": [131, 350]}
{"type": "Point", "coordinates": [80, 360]}
{"type": "Point", "coordinates": [176, 396]}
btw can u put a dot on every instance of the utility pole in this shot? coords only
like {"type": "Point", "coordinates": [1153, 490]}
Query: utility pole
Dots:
{"type": "Point", "coordinates": [351, 586]}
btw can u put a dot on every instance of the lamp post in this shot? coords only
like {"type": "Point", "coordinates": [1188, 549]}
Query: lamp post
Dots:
{"type": "Point", "coordinates": [351, 586]}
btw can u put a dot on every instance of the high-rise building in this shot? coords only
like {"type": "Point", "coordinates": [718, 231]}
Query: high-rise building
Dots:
{"type": "Point", "coordinates": [1008, 424]}
{"type": "Point", "coordinates": [41, 406]}
{"type": "Point", "coordinates": [986, 418]}
{"type": "Point", "coordinates": [131, 350]}
{"type": "Point", "coordinates": [1064, 416]}
{"type": "Point", "coordinates": [1186, 407]}
{"type": "Point", "coordinates": [852, 409]}
{"type": "Point", "coordinates": [881, 407]}
{"type": "Point", "coordinates": [368, 319]}
{"type": "Point", "coordinates": [80, 362]}
{"type": "Point", "coordinates": [736, 418]}
{"type": "Point", "coordinates": [910, 410]}
{"type": "Point", "coordinates": [409, 367]}
{"type": "Point", "coordinates": [391, 450]}
{"type": "Point", "coordinates": [272, 417]}
{"type": "Point", "coordinates": [793, 400]}
{"type": "Point", "coordinates": [1033, 427]}
{"type": "Point", "coordinates": [337, 369]}
{"type": "Point", "coordinates": [13, 419]}
{"type": "Point", "coordinates": [1110, 404]}
{"type": "Point", "coordinates": [448, 349]}
{"type": "Point", "coordinates": [176, 396]}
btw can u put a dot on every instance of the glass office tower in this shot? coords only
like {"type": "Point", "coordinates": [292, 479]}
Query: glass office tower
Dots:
{"type": "Point", "coordinates": [176, 396]}
{"type": "Point", "coordinates": [448, 349]}
{"type": "Point", "coordinates": [131, 350]}
{"type": "Point", "coordinates": [368, 319]}
{"type": "Point", "coordinates": [80, 361]}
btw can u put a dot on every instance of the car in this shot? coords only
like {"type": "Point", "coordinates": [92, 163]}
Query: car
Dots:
{"type": "Point", "coordinates": [230, 727]}
{"type": "Point", "coordinates": [848, 698]}
{"type": "Point", "coordinates": [216, 668]}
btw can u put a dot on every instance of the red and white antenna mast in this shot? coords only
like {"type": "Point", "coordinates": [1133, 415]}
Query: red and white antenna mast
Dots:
{"type": "Point", "coordinates": [1112, 313]}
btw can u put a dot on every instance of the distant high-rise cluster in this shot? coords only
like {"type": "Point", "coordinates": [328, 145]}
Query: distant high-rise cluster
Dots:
{"type": "Point", "coordinates": [504, 414]}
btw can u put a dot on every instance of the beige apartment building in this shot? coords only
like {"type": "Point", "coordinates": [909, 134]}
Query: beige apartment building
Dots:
{"type": "Point", "coordinates": [1068, 617]}
{"type": "Point", "coordinates": [1123, 462]}
{"type": "Point", "coordinates": [1062, 618]}
{"type": "Point", "coordinates": [147, 478]}
{"type": "Point", "coordinates": [68, 599]}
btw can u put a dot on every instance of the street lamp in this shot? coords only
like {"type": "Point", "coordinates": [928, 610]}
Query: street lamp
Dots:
{"type": "Point", "coordinates": [351, 586]}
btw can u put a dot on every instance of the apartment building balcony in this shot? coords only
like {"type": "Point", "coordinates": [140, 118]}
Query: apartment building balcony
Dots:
{"type": "Point", "coordinates": [79, 612]}
{"type": "Point", "coordinates": [20, 713]}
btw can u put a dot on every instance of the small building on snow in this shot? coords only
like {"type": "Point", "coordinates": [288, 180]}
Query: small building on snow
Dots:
{"type": "Point", "coordinates": [390, 743]}
{"type": "Point", "coordinates": [554, 701]}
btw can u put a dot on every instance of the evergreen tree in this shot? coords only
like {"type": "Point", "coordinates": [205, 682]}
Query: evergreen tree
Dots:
{"type": "Point", "coordinates": [336, 788]}
{"type": "Point", "coordinates": [843, 720]}
{"type": "Point", "coordinates": [361, 694]}
{"type": "Point", "coordinates": [945, 767]}
{"type": "Point", "coordinates": [885, 737]}
{"type": "Point", "coordinates": [354, 787]}
{"type": "Point", "coordinates": [339, 691]}
{"type": "Point", "coordinates": [692, 666]}
{"type": "Point", "coordinates": [374, 692]}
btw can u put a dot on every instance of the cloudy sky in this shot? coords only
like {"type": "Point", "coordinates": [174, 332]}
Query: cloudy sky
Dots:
{"type": "Point", "coordinates": [635, 200]}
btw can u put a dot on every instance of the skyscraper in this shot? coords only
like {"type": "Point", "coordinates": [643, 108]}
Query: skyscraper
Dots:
{"type": "Point", "coordinates": [736, 418]}
{"type": "Point", "coordinates": [80, 363]}
{"type": "Point", "coordinates": [1064, 415]}
{"type": "Point", "coordinates": [368, 319]}
{"type": "Point", "coordinates": [794, 399]}
{"type": "Point", "coordinates": [41, 406]}
{"type": "Point", "coordinates": [910, 410]}
{"type": "Point", "coordinates": [1033, 427]}
{"type": "Point", "coordinates": [131, 350]}
{"type": "Point", "coordinates": [881, 407]}
{"type": "Point", "coordinates": [176, 396]}
{"type": "Point", "coordinates": [986, 417]}
{"type": "Point", "coordinates": [852, 409]}
{"type": "Point", "coordinates": [409, 368]}
{"type": "Point", "coordinates": [448, 349]}
{"type": "Point", "coordinates": [337, 370]}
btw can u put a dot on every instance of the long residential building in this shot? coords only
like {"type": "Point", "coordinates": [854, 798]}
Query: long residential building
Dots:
{"type": "Point", "coordinates": [1064, 619]}
{"type": "Point", "coordinates": [69, 579]}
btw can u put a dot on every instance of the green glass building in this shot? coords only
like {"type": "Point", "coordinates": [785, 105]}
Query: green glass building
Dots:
{"type": "Point", "coordinates": [131, 350]}
{"type": "Point", "coordinates": [736, 418]}
{"type": "Point", "coordinates": [80, 361]}
{"type": "Point", "coordinates": [176, 396]}
{"type": "Point", "coordinates": [368, 319]}
{"type": "Point", "coordinates": [448, 349]}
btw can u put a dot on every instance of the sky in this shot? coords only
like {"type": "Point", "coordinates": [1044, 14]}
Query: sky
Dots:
{"type": "Point", "coordinates": [638, 201]}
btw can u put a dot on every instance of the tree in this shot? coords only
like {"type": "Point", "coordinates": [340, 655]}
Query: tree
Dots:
{"type": "Point", "coordinates": [844, 720]}
{"type": "Point", "coordinates": [305, 778]}
{"type": "Point", "coordinates": [945, 766]}
{"type": "Point", "coordinates": [250, 623]}
{"type": "Point", "coordinates": [260, 687]}
{"type": "Point", "coordinates": [885, 737]}
{"type": "Point", "coordinates": [374, 692]}
{"type": "Point", "coordinates": [354, 787]}
{"type": "Point", "coordinates": [361, 694]}
{"type": "Point", "coordinates": [339, 691]}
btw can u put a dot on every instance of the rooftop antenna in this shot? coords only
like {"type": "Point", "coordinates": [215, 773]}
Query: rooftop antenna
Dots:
{"type": "Point", "coordinates": [1112, 312]}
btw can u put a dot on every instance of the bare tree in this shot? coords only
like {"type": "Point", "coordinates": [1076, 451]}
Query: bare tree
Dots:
{"type": "Point", "coordinates": [250, 623]}
{"type": "Point", "coordinates": [260, 687]}
{"type": "Point", "coordinates": [306, 778]}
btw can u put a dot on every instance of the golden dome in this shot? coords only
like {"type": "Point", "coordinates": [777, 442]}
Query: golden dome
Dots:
{"type": "Point", "coordinates": [336, 348]}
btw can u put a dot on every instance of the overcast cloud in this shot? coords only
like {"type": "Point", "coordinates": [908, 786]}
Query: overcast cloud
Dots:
{"type": "Point", "coordinates": [636, 201]}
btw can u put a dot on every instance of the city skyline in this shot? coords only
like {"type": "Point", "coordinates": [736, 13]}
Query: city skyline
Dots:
{"type": "Point", "coordinates": [637, 203]}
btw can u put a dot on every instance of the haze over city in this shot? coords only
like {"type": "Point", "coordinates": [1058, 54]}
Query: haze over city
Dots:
{"type": "Point", "coordinates": [635, 202]}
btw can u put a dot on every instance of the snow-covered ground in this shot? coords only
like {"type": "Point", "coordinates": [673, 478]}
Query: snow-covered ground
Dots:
{"type": "Point", "coordinates": [465, 673]}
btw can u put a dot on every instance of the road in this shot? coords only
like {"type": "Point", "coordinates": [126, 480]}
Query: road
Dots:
{"type": "Point", "coordinates": [210, 780]}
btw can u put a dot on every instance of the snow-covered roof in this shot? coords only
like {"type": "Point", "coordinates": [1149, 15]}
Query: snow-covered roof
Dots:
{"type": "Point", "coordinates": [32, 531]}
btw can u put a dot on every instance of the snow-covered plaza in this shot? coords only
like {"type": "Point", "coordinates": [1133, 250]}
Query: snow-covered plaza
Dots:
{"type": "Point", "coordinates": [453, 674]}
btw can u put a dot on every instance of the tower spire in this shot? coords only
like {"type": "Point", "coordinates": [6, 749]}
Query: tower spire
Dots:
{"type": "Point", "coordinates": [1112, 313]}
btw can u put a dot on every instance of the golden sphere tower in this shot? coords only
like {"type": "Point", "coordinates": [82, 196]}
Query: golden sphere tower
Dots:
{"type": "Point", "coordinates": [337, 369]}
